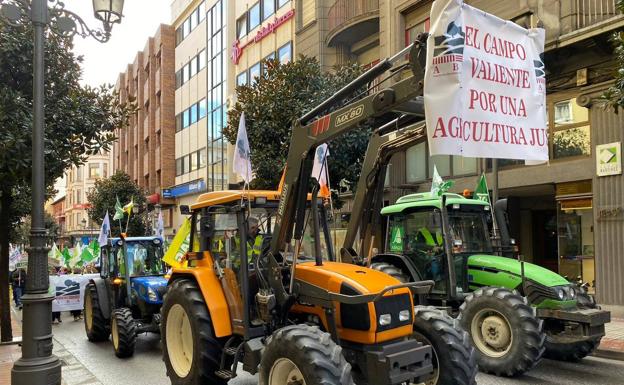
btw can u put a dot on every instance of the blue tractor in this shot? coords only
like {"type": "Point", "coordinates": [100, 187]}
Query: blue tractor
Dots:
{"type": "Point", "coordinates": [126, 299]}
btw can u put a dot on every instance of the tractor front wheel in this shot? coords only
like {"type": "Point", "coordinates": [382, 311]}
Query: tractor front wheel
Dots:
{"type": "Point", "coordinates": [506, 333]}
{"type": "Point", "coordinates": [454, 357]}
{"type": "Point", "coordinates": [303, 354]}
{"type": "Point", "coordinates": [191, 352]}
{"type": "Point", "coordinates": [96, 327]}
{"type": "Point", "coordinates": [123, 331]}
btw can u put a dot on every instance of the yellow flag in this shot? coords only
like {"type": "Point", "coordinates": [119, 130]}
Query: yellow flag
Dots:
{"type": "Point", "coordinates": [179, 245]}
{"type": "Point", "coordinates": [128, 208]}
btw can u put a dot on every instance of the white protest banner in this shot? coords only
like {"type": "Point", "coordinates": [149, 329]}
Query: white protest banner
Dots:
{"type": "Point", "coordinates": [485, 86]}
{"type": "Point", "coordinates": [69, 290]}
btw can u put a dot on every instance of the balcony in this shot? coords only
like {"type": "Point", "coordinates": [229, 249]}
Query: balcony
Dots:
{"type": "Point", "coordinates": [576, 20]}
{"type": "Point", "coordinates": [589, 12]}
{"type": "Point", "coordinates": [351, 20]}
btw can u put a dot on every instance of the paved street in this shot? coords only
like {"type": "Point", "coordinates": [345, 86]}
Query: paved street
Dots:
{"type": "Point", "coordinates": [146, 367]}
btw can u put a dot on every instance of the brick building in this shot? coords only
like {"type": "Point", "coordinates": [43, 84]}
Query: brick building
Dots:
{"type": "Point", "coordinates": [145, 148]}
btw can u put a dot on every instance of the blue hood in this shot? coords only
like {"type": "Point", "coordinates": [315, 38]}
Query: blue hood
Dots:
{"type": "Point", "coordinates": [157, 283]}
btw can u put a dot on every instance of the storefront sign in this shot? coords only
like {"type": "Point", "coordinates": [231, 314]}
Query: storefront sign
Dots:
{"type": "Point", "coordinates": [610, 213]}
{"type": "Point", "coordinates": [237, 49]}
{"type": "Point", "coordinates": [608, 159]}
{"type": "Point", "coordinates": [185, 189]}
{"type": "Point", "coordinates": [484, 90]}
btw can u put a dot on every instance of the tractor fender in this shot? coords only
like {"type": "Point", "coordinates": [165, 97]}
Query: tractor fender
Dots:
{"type": "Point", "coordinates": [401, 262]}
{"type": "Point", "coordinates": [213, 294]}
{"type": "Point", "coordinates": [103, 297]}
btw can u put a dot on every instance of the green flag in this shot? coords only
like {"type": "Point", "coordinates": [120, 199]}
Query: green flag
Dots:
{"type": "Point", "coordinates": [481, 191]}
{"type": "Point", "coordinates": [90, 252]}
{"type": "Point", "coordinates": [438, 186]}
{"type": "Point", "coordinates": [66, 256]}
{"type": "Point", "coordinates": [119, 211]}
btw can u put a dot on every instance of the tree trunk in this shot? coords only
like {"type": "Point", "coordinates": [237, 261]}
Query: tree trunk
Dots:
{"type": "Point", "coordinates": [6, 332]}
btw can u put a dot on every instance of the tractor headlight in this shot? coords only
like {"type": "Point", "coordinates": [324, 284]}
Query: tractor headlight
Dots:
{"type": "Point", "coordinates": [560, 293]}
{"type": "Point", "coordinates": [151, 294]}
{"type": "Point", "coordinates": [572, 292]}
{"type": "Point", "coordinates": [385, 319]}
{"type": "Point", "coordinates": [404, 315]}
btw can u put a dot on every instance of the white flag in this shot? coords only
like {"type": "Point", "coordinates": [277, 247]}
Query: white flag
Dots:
{"type": "Point", "coordinates": [242, 154]}
{"type": "Point", "coordinates": [319, 168]}
{"type": "Point", "coordinates": [436, 181]}
{"type": "Point", "coordinates": [104, 231]}
{"type": "Point", "coordinates": [160, 226]}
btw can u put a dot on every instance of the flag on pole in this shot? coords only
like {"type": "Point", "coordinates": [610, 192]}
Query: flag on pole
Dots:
{"type": "Point", "coordinates": [179, 245]}
{"type": "Point", "coordinates": [128, 208]}
{"type": "Point", "coordinates": [160, 226]}
{"type": "Point", "coordinates": [319, 168]}
{"type": "Point", "coordinates": [119, 211]}
{"type": "Point", "coordinates": [104, 231]}
{"type": "Point", "coordinates": [90, 252]}
{"type": "Point", "coordinates": [439, 186]}
{"type": "Point", "coordinates": [242, 153]}
{"type": "Point", "coordinates": [66, 256]}
{"type": "Point", "coordinates": [481, 192]}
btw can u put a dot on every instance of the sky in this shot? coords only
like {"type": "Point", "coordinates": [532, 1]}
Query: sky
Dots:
{"type": "Point", "coordinates": [104, 61]}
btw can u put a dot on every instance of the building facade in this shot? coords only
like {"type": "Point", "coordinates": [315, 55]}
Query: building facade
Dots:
{"type": "Point", "coordinates": [80, 180]}
{"type": "Point", "coordinates": [563, 215]}
{"type": "Point", "coordinates": [145, 147]}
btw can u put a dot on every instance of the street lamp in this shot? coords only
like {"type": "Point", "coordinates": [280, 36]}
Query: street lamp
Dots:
{"type": "Point", "coordinates": [38, 366]}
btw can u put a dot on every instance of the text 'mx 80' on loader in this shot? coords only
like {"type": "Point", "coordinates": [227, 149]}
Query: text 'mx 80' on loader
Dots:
{"type": "Point", "coordinates": [294, 315]}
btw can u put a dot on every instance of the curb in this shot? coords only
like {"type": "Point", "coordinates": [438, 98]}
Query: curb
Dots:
{"type": "Point", "coordinates": [610, 354]}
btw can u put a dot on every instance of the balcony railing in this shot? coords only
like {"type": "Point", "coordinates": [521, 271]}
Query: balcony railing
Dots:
{"type": "Point", "coordinates": [590, 12]}
{"type": "Point", "coordinates": [345, 11]}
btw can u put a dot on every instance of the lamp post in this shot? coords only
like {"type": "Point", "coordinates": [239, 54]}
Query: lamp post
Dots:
{"type": "Point", "coordinates": [38, 366]}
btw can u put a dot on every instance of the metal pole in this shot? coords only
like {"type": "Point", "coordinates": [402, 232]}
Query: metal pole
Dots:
{"type": "Point", "coordinates": [37, 366]}
{"type": "Point", "coordinates": [494, 192]}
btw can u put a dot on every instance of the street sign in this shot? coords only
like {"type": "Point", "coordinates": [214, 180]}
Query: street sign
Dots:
{"type": "Point", "coordinates": [608, 159]}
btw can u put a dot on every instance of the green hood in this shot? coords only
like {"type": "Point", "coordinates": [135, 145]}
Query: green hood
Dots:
{"type": "Point", "coordinates": [533, 272]}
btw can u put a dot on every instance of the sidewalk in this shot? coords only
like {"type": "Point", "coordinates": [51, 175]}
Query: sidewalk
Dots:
{"type": "Point", "coordinates": [612, 344]}
{"type": "Point", "coordinates": [73, 372]}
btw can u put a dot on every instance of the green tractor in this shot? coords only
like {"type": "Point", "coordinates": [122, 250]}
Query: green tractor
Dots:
{"type": "Point", "coordinates": [515, 312]}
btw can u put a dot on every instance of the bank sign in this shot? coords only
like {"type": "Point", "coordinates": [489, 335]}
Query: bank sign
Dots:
{"type": "Point", "coordinates": [608, 159]}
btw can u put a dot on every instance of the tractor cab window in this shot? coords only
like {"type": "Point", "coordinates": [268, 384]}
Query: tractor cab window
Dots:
{"type": "Point", "coordinates": [418, 235]}
{"type": "Point", "coordinates": [143, 258]}
{"type": "Point", "coordinates": [469, 231]}
{"type": "Point", "coordinates": [306, 253]}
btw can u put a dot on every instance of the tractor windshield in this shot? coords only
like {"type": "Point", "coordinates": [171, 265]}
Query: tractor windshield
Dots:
{"type": "Point", "coordinates": [144, 258]}
{"type": "Point", "coordinates": [469, 231]}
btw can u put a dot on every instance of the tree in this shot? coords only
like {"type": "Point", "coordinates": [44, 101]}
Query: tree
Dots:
{"type": "Point", "coordinates": [79, 122]}
{"type": "Point", "coordinates": [614, 96]}
{"type": "Point", "coordinates": [22, 232]}
{"type": "Point", "coordinates": [104, 196]}
{"type": "Point", "coordinates": [282, 94]}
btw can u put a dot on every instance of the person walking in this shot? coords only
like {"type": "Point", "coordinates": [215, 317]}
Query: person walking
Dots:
{"type": "Point", "coordinates": [18, 281]}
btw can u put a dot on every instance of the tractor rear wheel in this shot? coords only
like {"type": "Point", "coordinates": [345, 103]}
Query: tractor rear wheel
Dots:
{"type": "Point", "coordinates": [123, 331]}
{"type": "Point", "coordinates": [96, 327]}
{"type": "Point", "coordinates": [390, 270]}
{"type": "Point", "coordinates": [191, 352]}
{"type": "Point", "coordinates": [572, 351]}
{"type": "Point", "coordinates": [303, 354]}
{"type": "Point", "coordinates": [506, 333]}
{"type": "Point", "coordinates": [454, 357]}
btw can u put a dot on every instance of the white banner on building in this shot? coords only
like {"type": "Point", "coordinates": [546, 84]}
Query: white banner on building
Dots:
{"type": "Point", "coordinates": [69, 290]}
{"type": "Point", "coordinates": [485, 87]}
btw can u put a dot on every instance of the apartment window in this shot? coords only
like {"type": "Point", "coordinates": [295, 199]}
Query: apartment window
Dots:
{"type": "Point", "coordinates": [79, 174]}
{"type": "Point", "coordinates": [193, 161]}
{"type": "Point", "coordinates": [216, 43]}
{"type": "Point", "coordinates": [442, 164]}
{"type": "Point", "coordinates": [241, 79]}
{"type": "Point", "coordinates": [193, 113]}
{"type": "Point", "coordinates": [186, 118]}
{"type": "Point", "coordinates": [284, 53]}
{"type": "Point", "coordinates": [192, 68]}
{"type": "Point", "coordinates": [178, 77]}
{"type": "Point", "coordinates": [241, 26]}
{"type": "Point", "coordinates": [202, 108]}
{"type": "Point", "coordinates": [412, 32]}
{"type": "Point", "coordinates": [254, 16]}
{"type": "Point", "coordinates": [193, 19]}
{"type": "Point", "coordinates": [187, 27]}
{"type": "Point", "coordinates": [179, 166]}
{"type": "Point", "coordinates": [178, 122]}
{"type": "Point", "coordinates": [419, 165]}
{"type": "Point", "coordinates": [78, 196]}
{"type": "Point", "coordinates": [416, 163]}
{"type": "Point", "coordinates": [201, 60]}
{"type": "Point", "coordinates": [570, 133]}
{"type": "Point", "coordinates": [202, 11]}
{"type": "Point", "coordinates": [268, 8]}
{"type": "Point", "coordinates": [179, 35]}
{"type": "Point", "coordinates": [104, 170]}
{"type": "Point", "coordinates": [254, 72]}
{"type": "Point", "coordinates": [464, 166]}
{"type": "Point", "coordinates": [281, 3]}
{"type": "Point", "coordinates": [201, 157]}
{"type": "Point", "coordinates": [186, 74]}
{"type": "Point", "coordinates": [94, 171]}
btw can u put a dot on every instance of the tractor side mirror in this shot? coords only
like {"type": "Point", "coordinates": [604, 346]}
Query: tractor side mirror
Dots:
{"type": "Point", "coordinates": [185, 210]}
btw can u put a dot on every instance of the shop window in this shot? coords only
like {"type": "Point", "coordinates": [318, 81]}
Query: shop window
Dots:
{"type": "Point", "coordinates": [254, 72]}
{"type": "Point", "coordinates": [241, 79]}
{"type": "Point", "coordinates": [268, 8]}
{"type": "Point", "coordinates": [570, 133]}
{"type": "Point", "coordinates": [254, 16]}
{"type": "Point", "coordinates": [576, 240]}
{"type": "Point", "coordinates": [284, 53]}
{"type": "Point", "coordinates": [416, 163]}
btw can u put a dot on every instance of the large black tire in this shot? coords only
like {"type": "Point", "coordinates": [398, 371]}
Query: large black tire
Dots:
{"type": "Point", "coordinates": [573, 351]}
{"type": "Point", "coordinates": [189, 314]}
{"type": "Point", "coordinates": [454, 358]}
{"type": "Point", "coordinates": [311, 355]}
{"type": "Point", "coordinates": [391, 270]}
{"type": "Point", "coordinates": [513, 342]}
{"type": "Point", "coordinates": [124, 332]}
{"type": "Point", "coordinates": [96, 327]}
